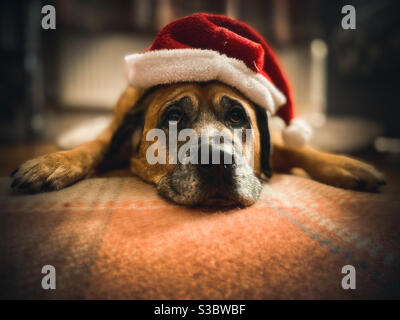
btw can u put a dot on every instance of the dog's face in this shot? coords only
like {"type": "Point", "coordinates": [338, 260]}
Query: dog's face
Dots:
{"type": "Point", "coordinates": [209, 110]}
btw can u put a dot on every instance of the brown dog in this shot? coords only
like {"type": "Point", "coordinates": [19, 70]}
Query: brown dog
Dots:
{"type": "Point", "coordinates": [211, 106]}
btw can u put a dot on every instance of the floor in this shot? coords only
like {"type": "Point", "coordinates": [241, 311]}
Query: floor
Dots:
{"type": "Point", "coordinates": [114, 238]}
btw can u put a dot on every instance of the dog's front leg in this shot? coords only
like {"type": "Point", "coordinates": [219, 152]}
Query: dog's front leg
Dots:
{"type": "Point", "coordinates": [336, 170]}
{"type": "Point", "coordinates": [57, 170]}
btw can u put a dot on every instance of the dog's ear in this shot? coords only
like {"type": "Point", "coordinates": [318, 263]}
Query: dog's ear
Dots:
{"type": "Point", "coordinates": [123, 138]}
{"type": "Point", "coordinates": [126, 138]}
{"type": "Point", "coordinates": [265, 141]}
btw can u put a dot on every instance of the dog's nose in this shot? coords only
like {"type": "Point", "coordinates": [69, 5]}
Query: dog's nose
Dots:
{"type": "Point", "coordinates": [217, 161]}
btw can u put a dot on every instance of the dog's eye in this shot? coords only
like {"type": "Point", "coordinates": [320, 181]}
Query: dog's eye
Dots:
{"type": "Point", "coordinates": [174, 114]}
{"type": "Point", "coordinates": [236, 116]}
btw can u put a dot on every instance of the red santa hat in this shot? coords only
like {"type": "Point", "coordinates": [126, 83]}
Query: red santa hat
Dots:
{"type": "Point", "coordinates": [205, 47]}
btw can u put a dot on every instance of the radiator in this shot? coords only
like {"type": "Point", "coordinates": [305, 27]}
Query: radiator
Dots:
{"type": "Point", "coordinates": [92, 70]}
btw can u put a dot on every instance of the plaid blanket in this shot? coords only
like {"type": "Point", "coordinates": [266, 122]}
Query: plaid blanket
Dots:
{"type": "Point", "coordinates": [114, 238]}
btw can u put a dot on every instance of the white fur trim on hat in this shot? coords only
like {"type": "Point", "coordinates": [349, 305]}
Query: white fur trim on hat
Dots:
{"type": "Point", "coordinates": [297, 133]}
{"type": "Point", "coordinates": [178, 65]}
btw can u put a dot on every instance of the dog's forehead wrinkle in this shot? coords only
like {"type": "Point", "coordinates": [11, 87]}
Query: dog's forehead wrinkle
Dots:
{"type": "Point", "coordinates": [186, 94]}
{"type": "Point", "coordinates": [227, 101]}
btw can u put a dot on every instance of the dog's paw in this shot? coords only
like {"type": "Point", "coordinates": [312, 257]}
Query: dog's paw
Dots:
{"type": "Point", "coordinates": [348, 173]}
{"type": "Point", "coordinates": [46, 173]}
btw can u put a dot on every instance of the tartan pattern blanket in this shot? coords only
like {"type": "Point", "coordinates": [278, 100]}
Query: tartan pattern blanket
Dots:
{"type": "Point", "coordinates": [114, 238]}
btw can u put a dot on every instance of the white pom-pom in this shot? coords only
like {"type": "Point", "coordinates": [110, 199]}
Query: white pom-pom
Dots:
{"type": "Point", "coordinates": [297, 134]}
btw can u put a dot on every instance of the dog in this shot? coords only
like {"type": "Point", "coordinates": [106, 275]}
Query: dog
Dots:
{"type": "Point", "coordinates": [209, 106]}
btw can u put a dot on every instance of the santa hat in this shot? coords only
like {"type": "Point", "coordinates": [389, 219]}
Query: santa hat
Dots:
{"type": "Point", "coordinates": [205, 47]}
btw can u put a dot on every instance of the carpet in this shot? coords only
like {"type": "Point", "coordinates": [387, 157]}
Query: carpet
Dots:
{"type": "Point", "coordinates": [114, 238]}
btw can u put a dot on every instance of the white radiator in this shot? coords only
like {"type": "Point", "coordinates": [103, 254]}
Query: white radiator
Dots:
{"type": "Point", "coordinates": [92, 70]}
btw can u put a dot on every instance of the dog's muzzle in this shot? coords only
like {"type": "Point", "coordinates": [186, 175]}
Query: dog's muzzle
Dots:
{"type": "Point", "coordinates": [222, 176]}
{"type": "Point", "coordinates": [218, 166]}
